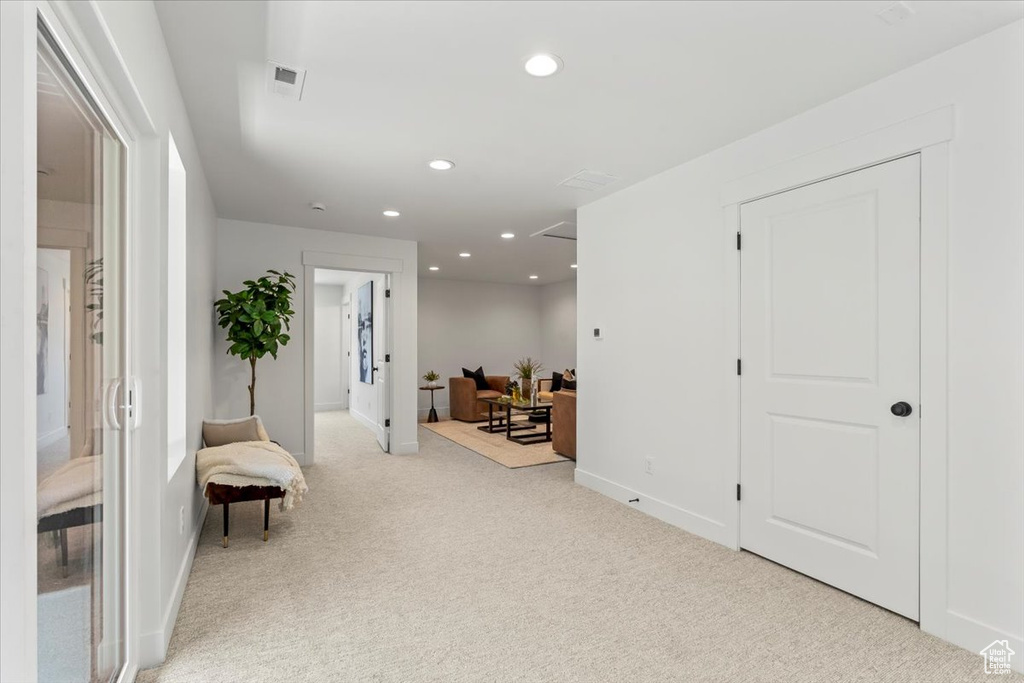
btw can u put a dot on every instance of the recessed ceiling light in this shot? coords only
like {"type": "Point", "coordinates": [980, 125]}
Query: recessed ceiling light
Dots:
{"type": "Point", "coordinates": [574, 266]}
{"type": "Point", "coordinates": [434, 268]}
{"type": "Point", "coordinates": [318, 206]}
{"type": "Point", "coordinates": [542, 65]}
{"type": "Point", "coordinates": [534, 277]}
{"type": "Point", "coordinates": [442, 165]}
{"type": "Point", "coordinates": [465, 254]}
{"type": "Point", "coordinates": [391, 213]}
{"type": "Point", "coordinates": [507, 235]}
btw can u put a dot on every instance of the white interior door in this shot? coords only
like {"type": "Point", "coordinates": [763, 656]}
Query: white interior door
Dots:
{"type": "Point", "coordinates": [830, 347]}
{"type": "Point", "coordinates": [382, 363]}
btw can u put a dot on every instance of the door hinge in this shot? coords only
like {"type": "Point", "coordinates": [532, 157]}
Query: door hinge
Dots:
{"type": "Point", "coordinates": [387, 357]}
{"type": "Point", "coordinates": [739, 366]}
{"type": "Point", "coordinates": [387, 423]}
{"type": "Point", "coordinates": [738, 493]}
{"type": "Point", "coordinates": [387, 293]}
{"type": "Point", "coordinates": [739, 241]}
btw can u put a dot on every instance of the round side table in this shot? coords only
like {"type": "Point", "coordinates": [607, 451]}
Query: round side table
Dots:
{"type": "Point", "coordinates": [432, 415]}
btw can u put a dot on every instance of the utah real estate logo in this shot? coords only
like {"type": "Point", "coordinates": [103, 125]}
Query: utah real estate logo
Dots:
{"type": "Point", "coordinates": [997, 657]}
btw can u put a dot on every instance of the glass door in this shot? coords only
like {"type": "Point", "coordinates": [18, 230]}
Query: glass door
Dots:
{"type": "Point", "coordinates": [80, 366]}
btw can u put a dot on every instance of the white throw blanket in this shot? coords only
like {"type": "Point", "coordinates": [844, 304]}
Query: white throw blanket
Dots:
{"type": "Point", "coordinates": [252, 463]}
{"type": "Point", "coordinates": [78, 483]}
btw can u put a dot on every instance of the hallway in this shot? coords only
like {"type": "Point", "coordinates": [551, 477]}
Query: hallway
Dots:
{"type": "Point", "coordinates": [445, 566]}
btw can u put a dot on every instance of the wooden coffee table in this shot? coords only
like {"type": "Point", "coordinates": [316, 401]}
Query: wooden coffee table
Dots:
{"type": "Point", "coordinates": [505, 421]}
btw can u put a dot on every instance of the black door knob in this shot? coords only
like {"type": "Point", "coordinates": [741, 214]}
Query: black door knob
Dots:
{"type": "Point", "coordinates": [901, 409]}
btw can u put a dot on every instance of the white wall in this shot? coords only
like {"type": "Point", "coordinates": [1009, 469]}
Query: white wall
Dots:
{"type": "Point", "coordinates": [247, 249]}
{"type": "Point", "coordinates": [671, 225]}
{"type": "Point", "coordinates": [51, 416]}
{"type": "Point", "coordinates": [558, 325]}
{"type": "Point", "coordinates": [469, 324]}
{"type": "Point", "coordinates": [135, 29]}
{"type": "Point", "coordinates": [328, 391]}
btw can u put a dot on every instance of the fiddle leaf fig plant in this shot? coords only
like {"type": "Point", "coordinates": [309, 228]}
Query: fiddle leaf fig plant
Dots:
{"type": "Point", "coordinates": [257, 319]}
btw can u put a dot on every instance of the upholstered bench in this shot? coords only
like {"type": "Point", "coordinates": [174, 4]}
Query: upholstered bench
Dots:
{"type": "Point", "coordinates": [241, 463]}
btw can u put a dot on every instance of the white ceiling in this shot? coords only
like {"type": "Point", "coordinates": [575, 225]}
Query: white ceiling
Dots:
{"type": "Point", "coordinates": [392, 85]}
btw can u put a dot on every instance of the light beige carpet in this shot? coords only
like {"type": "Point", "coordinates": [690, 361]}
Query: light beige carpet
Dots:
{"type": "Point", "coordinates": [495, 446]}
{"type": "Point", "coordinates": [442, 567]}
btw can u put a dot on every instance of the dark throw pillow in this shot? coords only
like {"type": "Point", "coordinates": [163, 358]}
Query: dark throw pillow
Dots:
{"type": "Point", "coordinates": [556, 381]}
{"type": "Point", "coordinates": [478, 377]}
{"type": "Point", "coordinates": [567, 383]}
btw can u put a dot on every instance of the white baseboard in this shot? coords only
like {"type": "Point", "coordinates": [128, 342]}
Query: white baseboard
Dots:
{"type": "Point", "coordinates": [153, 645]}
{"type": "Point", "coordinates": [409, 448]}
{"type": "Point", "coordinates": [363, 420]}
{"type": "Point", "coordinates": [300, 458]}
{"type": "Point", "coordinates": [442, 412]}
{"type": "Point", "coordinates": [973, 636]}
{"type": "Point", "coordinates": [51, 437]}
{"type": "Point", "coordinates": [324, 407]}
{"type": "Point", "coordinates": [676, 516]}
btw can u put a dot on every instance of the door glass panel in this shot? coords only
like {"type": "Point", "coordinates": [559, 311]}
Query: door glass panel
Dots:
{"type": "Point", "coordinates": [79, 371]}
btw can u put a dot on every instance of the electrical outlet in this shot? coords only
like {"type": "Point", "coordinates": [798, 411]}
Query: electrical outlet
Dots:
{"type": "Point", "coordinates": [181, 520]}
{"type": "Point", "coordinates": [649, 464]}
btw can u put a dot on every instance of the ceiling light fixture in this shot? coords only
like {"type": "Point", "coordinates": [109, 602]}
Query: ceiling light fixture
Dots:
{"type": "Point", "coordinates": [318, 206]}
{"type": "Point", "coordinates": [391, 213]}
{"type": "Point", "coordinates": [442, 165]}
{"type": "Point", "coordinates": [573, 266]}
{"type": "Point", "coordinates": [434, 268]}
{"type": "Point", "coordinates": [534, 277]}
{"type": "Point", "coordinates": [507, 235]}
{"type": "Point", "coordinates": [465, 254]}
{"type": "Point", "coordinates": [543, 65]}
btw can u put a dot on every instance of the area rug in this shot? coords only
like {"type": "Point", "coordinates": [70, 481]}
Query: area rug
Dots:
{"type": "Point", "coordinates": [495, 446]}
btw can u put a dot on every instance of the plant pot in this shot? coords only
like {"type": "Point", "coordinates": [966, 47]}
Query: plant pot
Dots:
{"type": "Point", "coordinates": [432, 384]}
{"type": "Point", "coordinates": [526, 388]}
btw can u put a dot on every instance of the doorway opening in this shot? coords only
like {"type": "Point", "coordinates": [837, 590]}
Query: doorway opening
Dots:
{"type": "Point", "coordinates": [351, 355]}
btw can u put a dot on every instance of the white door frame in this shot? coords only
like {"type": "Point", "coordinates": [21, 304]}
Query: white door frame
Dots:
{"type": "Point", "coordinates": [928, 134]}
{"type": "Point", "coordinates": [311, 260]}
{"type": "Point", "coordinates": [84, 39]}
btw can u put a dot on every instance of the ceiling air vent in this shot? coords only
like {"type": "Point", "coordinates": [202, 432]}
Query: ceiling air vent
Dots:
{"type": "Point", "coordinates": [285, 81]}
{"type": "Point", "coordinates": [564, 230]}
{"type": "Point", "coordinates": [588, 180]}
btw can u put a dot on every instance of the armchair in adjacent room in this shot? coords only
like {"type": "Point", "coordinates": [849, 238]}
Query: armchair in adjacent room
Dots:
{"type": "Point", "coordinates": [465, 400]}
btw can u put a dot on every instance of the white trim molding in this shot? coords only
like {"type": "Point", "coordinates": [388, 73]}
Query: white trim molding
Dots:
{"type": "Point", "coordinates": [885, 144]}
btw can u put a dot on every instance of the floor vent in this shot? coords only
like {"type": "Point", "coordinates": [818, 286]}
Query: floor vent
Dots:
{"type": "Point", "coordinates": [588, 180]}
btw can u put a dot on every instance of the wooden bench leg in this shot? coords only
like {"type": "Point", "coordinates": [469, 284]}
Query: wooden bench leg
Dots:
{"type": "Point", "coordinates": [226, 525]}
{"type": "Point", "coordinates": [266, 519]}
{"type": "Point", "coordinates": [64, 552]}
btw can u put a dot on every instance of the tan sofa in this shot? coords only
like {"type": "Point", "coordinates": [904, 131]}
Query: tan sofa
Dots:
{"type": "Point", "coordinates": [563, 423]}
{"type": "Point", "coordinates": [465, 402]}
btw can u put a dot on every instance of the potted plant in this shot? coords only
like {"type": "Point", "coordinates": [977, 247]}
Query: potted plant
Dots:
{"type": "Point", "coordinates": [527, 370]}
{"type": "Point", "coordinates": [256, 319]}
{"type": "Point", "coordinates": [431, 377]}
